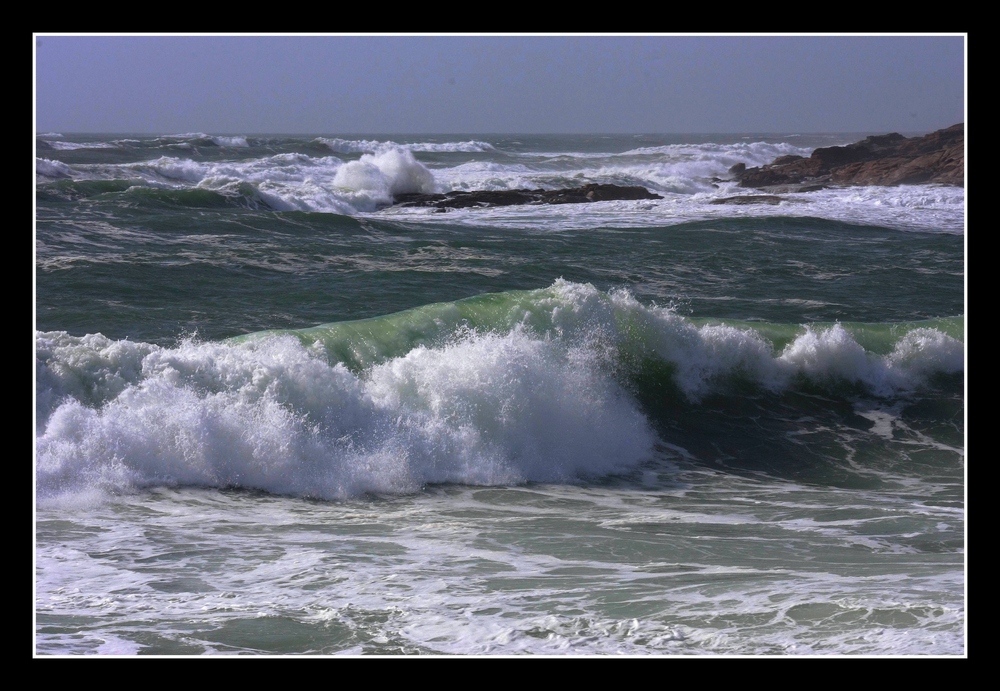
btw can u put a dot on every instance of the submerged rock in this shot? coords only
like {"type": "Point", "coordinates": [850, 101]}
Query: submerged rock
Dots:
{"type": "Point", "coordinates": [750, 199]}
{"type": "Point", "coordinates": [486, 198]}
{"type": "Point", "coordinates": [888, 159]}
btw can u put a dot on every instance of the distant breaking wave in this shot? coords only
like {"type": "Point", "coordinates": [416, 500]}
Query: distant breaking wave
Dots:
{"type": "Point", "coordinates": [69, 146]}
{"type": "Point", "coordinates": [354, 146]}
{"type": "Point", "coordinates": [52, 169]}
{"type": "Point", "coordinates": [693, 178]}
{"type": "Point", "coordinates": [202, 138]}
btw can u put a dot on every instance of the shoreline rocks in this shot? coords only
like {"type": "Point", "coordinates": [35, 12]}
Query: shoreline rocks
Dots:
{"type": "Point", "coordinates": [486, 198]}
{"type": "Point", "coordinates": [885, 160]}
{"type": "Point", "coordinates": [888, 159]}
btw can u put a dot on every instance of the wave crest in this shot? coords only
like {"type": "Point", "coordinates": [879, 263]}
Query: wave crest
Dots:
{"type": "Point", "coordinates": [496, 389]}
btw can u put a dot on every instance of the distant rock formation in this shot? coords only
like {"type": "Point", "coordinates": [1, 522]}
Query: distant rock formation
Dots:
{"type": "Point", "coordinates": [486, 198]}
{"type": "Point", "coordinates": [888, 159]}
{"type": "Point", "coordinates": [743, 200]}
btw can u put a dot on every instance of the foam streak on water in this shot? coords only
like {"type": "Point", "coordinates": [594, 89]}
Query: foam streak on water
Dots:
{"type": "Point", "coordinates": [543, 570]}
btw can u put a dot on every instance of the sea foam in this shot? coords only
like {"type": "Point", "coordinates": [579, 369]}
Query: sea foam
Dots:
{"type": "Point", "coordinates": [376, 178]}
{"type": "Point", "coordinates": [525, 386]}
{"type": "Point", "coordinates": [273, 414]}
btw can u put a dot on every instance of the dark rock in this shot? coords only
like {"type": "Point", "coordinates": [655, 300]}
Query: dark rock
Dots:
{"type": "Point", "coordinates": [888, 159]}
{"type": "Point", "coordinates": [787, 189]}
{"type": "Point", "coordinates": [750, 199]}
{"type": "Point", "coordinates": [788, 158]}
{"type": "Point", "coordinates": [737, 168]}
{"type": "Point", "coordinates": [486, 198]}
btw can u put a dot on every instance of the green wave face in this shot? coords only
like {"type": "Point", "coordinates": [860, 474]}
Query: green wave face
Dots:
{"type": "Point", "coordinates": [641, 341]}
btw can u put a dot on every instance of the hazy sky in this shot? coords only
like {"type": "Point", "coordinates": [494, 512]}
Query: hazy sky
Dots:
{"type": "Point", "coordinates": [497, 84]}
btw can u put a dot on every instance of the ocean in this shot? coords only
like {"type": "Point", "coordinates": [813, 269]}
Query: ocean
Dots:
{"type": "Point", "coordinates": [275, 415]}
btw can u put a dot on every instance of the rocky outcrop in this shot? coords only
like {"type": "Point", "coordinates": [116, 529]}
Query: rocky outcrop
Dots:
{"type": "Point", "coordinates": [487, 198]}
{"type": "Point", "coordinates": [888, 159]}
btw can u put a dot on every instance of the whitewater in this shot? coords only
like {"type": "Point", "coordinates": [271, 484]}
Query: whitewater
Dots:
{"type": "Point", "coordinates": [276, 414]}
